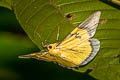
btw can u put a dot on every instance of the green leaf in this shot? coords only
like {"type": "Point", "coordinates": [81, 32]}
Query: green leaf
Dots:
{"type": "Point", "coordinates": [15, 45]}
{"type": "Point", "coordinates": [11, 46]}
{"type": "Point", "coordinates": [6, 3]}
{"type": "Point", "coordinates": [41, 18]}
{"type": "Point", "coordinates": [117, 2]}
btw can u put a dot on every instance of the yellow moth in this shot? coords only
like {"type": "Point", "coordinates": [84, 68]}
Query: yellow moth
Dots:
{"type": "Point", "coordinates": [77, 49]}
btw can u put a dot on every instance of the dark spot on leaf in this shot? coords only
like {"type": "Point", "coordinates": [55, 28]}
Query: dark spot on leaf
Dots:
{"type": "Point", "coordinates": [69, 16]}
{"type": "Point", "coordinates": [103, 21]}
{"type": "Point", "coordinates": [117, 56]}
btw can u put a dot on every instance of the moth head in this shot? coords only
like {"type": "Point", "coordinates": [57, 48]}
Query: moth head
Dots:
{"type": "Point", "coordinates": [51, 46]}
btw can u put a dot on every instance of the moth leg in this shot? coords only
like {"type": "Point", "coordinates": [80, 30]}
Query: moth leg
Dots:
{"type": "Point", "coordinates": [41, 39]}
{"type": "Point", "coordinates": [57, 38]}
{"type": "Point", "coordinates": [40, 56]}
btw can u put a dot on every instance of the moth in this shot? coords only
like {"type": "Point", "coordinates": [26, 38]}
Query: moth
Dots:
{"type": "Point", "coordinates": [77, 49]}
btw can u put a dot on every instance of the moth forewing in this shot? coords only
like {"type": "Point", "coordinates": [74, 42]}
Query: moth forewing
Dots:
{"type": "Point", "coordinates": [91, 23]}
{"type": "Point", "coordinates": [77, 39]}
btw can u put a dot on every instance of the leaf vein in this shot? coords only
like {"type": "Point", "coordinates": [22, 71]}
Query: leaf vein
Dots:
{"type": "Point", "coordinates": [35, 13]}
{"type": "Point", "coordinates": [74, 2]}
{"type": "Point", "coordinates": [21, 12]}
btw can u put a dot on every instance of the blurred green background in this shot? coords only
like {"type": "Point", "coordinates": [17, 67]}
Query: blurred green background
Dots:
{"type": "Point", "coordinates": [14, 42]}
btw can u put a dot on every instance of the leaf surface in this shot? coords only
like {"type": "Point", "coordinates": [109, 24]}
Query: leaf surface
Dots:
{"type": "Point", "coordinates": [41, 19]}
